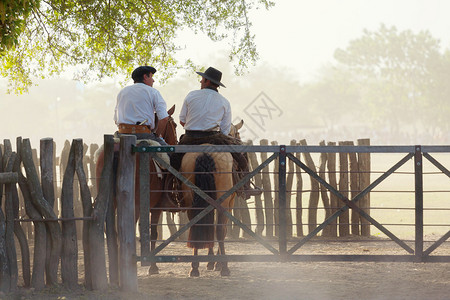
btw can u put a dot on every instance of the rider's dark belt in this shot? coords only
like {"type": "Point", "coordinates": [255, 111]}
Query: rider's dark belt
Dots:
{"type": "Point", "coordinates": [129, 128]}
{"type": "Point", "coordinates": [200, 133]}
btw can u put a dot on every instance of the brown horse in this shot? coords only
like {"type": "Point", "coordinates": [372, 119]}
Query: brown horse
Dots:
{"type": "Point", "coordinates": [212, 173]}
{"type": "Point", "coordinates": [157, 202]}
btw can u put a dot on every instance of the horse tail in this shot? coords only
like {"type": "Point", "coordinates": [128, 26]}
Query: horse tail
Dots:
{"type": "Point", "coordinates": [201, 235]}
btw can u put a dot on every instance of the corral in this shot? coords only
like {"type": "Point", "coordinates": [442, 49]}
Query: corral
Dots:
{"type": "Point", "coordinates": [423, 228]}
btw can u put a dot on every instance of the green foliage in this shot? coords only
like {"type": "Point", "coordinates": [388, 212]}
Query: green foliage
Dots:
{"type": "Point", "coordinates": [107, 38]}
{"type": "Point", "coordinates": [13, 16]}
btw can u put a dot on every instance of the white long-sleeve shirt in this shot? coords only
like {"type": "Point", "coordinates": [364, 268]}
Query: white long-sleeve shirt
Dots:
{"type": "Point", "coordinates": [206, 110]}
{"type": "Point", "coordinates": [137, 103]}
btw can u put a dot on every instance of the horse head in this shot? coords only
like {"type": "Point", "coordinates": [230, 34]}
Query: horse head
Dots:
{"type": "Point", "coordinates": [234, 130]}
{"type": "Point", "coordinates": [168, 129]}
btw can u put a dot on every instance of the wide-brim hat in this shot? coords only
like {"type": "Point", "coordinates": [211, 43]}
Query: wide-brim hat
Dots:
{"type": "Point", "coordinates": [213, 75]}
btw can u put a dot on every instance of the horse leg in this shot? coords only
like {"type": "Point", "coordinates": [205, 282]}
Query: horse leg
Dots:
{"type": "Point", "coordinates": [194, 271]}
{"type": "Point", "coordinates": [154, 219]}
{"type": "Point", "coordinates": [210, 265]}
{"type": "Point", "coordinates": [218, 264]}
{"type": "Point", "coordinates": [221, 232]}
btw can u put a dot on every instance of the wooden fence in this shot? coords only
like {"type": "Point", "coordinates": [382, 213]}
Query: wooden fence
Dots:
{"type": "Point", "coordinates": [54, 208]}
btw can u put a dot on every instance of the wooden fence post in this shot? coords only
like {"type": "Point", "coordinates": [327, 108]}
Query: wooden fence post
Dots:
{"type": "Point", "coordinates": [144, 206]}
{"type": "Point", "coordinates": [86, 201]}
{"type": "Point", "coordinates": [259, 214]}
{"type": "Point", "coordinates": [314, 194]}
{"type": "Point", "coordinates": [364, 181]}
{"type": "Point", "coordinates": [334, 201]}
{"type": "Point", "coordinates": [268, 204]}
{"type": "Point", "coordinates": [299, 198]}
{"type": "Point", "coordinates": [69, 257]}
{"type": "Point", "coordinates": [276, 198]}
{"type": "Point", "coordinates": [289, 184]}
{"type": "Point", "coordinates": [125, 214]}
{"type": "Point", "coordinates": [11, 255]}
{"type": "Point", "coordinates": [39, 206]}
{"type": "Point", "coordinates": [47, 182]}
{"type": "Point", "coordinates": [18, 230]}
{"type": "Point", "coordinates": [324, 191]}
{"type": "Point", "coordinates": [343, 189]}
{"type": "Point", "coordinates": [354, 189]}
{"type": "Point", "coordinates": [96, 230]}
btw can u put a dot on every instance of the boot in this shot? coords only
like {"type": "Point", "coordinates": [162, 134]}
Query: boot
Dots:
{"type": "Point", "coordinates": [249, 191]}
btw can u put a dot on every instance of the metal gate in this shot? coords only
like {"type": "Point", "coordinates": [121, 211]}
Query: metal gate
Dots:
{"type": "Point", "coordinates": [286, 252]}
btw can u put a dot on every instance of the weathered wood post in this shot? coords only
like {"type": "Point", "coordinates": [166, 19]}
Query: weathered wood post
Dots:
{"type": "Point", "coordinates": [144, 206]}
{"type": "Point", "coordinates": [299, 197]}
{"type": "Point", "coordinates": [343, 189]}
{"type": "Point", "coordinates": [289, 185]}
{"type": "Point", "coordinates": [259, 214]}
{"type": "Point", "coordinates": [125, 214]}
{"type": "Point", "coordinates": [69, 256]}
{"type": "Point", "coordinates": [86, 202]}
{"type": "Point", "coordinates": [47, 182]}
{"type": "Point", "coordinates": [96, 230]}
{"type": "Point", "coordinates": [354, 189]}
{"type": "Point", "coordinates": [276, 194]}
{"type": "Point", "coordinates": [334, 201]}
{"type": "Point", "coordinates": [18, 230]}
{"type": "Point", "coordinates": [22, 236]}
{"type": "Point", "coordinates": [323, 190]}
{"type": "Point", "coordinates": [268, 204]}
{"type": "Point", "coordinates": [11, 254]}
{"type": "Point", "coordinates": [40, 208]}
{"type": "Point", "coordinates": [55, 181]}
{"type": "Point", "coordinates": [364, 181]}
{"type": "Point", "coordinates": [314, 194]}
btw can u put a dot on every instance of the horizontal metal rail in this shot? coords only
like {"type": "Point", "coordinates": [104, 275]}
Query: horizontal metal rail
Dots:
{"type": "Point", "coordinates": [290, 149]}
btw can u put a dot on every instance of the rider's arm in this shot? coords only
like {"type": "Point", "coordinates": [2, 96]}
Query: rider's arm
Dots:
{"type": "Point", "coordinates": [160, 106]}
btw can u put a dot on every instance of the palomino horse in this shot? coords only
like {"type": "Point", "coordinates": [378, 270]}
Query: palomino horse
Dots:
{"type": "Point", "coordinates": [157, 203]}
{"type": "Point", "coordinates": [212, 173]}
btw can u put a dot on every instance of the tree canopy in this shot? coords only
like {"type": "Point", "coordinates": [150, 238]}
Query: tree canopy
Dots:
{"type": "Point", "coordinates": [106, 38]}
{"type": "Point", "coordinates": [402, 77]}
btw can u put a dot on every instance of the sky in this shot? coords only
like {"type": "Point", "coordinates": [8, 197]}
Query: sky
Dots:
{"type": "Point", "coordinates": [296, 36]}
{"type": "Point", "coordinates": [301, 36]}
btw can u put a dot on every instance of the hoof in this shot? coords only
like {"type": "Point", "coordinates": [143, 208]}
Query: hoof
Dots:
{"type": "Point", "coordinates": [153, 270]}
{"type": "Point", "coordinates": [225, 272]}
{"type": "Point", "coordinates": [210, 266]}
{"type": "Point", "coordinates": [194, 273]}
{"type": "Point", "coordinates": [218, 267]}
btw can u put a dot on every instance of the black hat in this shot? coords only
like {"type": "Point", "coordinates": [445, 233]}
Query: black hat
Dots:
{"type": "Point", "coordinates": [213, 75]}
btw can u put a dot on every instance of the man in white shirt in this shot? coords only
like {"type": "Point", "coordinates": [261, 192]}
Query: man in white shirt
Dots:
{"type": "Point", "coordinates": [137, 104]}
{"type": "Point", "coordinates": [206, 118]}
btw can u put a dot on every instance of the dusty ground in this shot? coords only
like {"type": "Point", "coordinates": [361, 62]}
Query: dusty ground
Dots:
{"type": "Point", "coordinates": [301, 280]}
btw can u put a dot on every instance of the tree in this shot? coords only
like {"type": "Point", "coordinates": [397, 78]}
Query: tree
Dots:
{"type": "Point", "coordinates": [401, 76]}
{"type": "Point", "coordinates": [107, 38]}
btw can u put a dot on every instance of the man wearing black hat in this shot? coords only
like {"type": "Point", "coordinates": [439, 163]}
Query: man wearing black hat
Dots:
{"type": "Point", "coordinates": [206, 118]}
{"type": "Point", "coordinates": [137, 104]}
